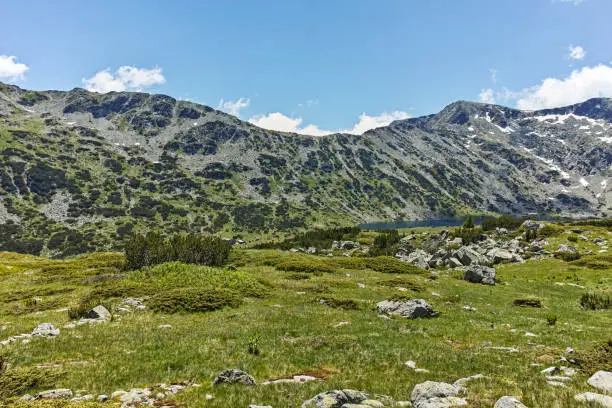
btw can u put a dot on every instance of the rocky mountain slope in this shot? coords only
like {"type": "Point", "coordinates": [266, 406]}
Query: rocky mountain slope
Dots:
{"type": "Point", "coordinates": [79, 170]}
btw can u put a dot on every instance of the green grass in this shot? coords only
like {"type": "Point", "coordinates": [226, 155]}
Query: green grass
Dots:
{"type": "Point", "coordinates": [297, 333]}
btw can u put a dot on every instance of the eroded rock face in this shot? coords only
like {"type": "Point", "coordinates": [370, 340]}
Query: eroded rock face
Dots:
{"type": "Point", "coordinates": [509, 402]}
{"type": "Point", "coordinates": [234, 376]}
{"type": "Point", "coordinates": [336, 399]}
{"type": "Point", "coordinates": [411, 309]}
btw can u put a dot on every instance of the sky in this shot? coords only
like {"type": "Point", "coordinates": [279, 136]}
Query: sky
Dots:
{"type": "Point", "coordinates": [316, 66]}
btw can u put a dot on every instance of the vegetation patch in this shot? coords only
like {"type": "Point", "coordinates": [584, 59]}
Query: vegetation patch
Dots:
{"type": "Point", "coordinates": [596, 359]}
{"type": "Point", "coordinates": [18, 381]}
{"type": "Point", "coordinates": [530, 302]}
{"type": "Point", "coordinates": [340, 303]}
{"type": "Point", "coordinates": [402, 282]}
{"type": "Point", "coordinates": [568, 256]}
{"type": "Point", "coordinates": [187, 300]}
{"type": "Point", "coordinates": [304, 266]}
{"type": "Point", "coordinates": [599, 261]}
{"type": "Point", "coordinates": [387, 264]}
{"type": "Point", "coordinates": [594, 301]}
{"type": "Point", "coordinates": [153, 249]}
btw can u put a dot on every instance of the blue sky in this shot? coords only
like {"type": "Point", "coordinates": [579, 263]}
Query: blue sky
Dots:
{"type": "Point", "coordinates": [317, 65]}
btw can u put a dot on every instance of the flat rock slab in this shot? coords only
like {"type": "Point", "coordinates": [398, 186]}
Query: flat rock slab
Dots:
{"type": "Point", "coordinates": [234, 376]}
{"type": "Point", "coordinates": [411, 309]}
{"type": "Point", "coordinates": [336, 399]}
{"type": "Point", "coordinates": [602, 380]}
{"type": "Point", "coordinates": [509, 402]}
{"type": "Point", "coordinates": [591, 397]}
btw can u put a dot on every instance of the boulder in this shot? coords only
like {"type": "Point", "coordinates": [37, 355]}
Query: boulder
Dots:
{"type": "Point", "coordinates": [411, 309]}
{"type": "Point", "coordinates": [592, 398]}
{"type": "Point", "coordinates": [566, 248]}
{"type": "Point", "coordinates": [468, 256]}
{"type": "Point", "coordinates": [602, 380]}
{"type": "Point", "coordinates": [234, 376]}
{"type": "Point", "coordinates": [431, 394]}
{"type": "Point", "coordinates": [532, 225]}
{"type": "Point", "coordinates": [418, 258]}
{"type": "Point", "coordinates": [55, 394]}
{"type": "Point", "coordinates": [45, 330]}
{"type": "Point", "coordinates": [479, 274]}
{"type": "Point", "coordinates": [500, 255]}
{"type": "Point", "coordinates": [99, 313]}
{"type": "Point", "coordinates": [509, 402]}
{"type": "Point", "coordinates": [335, 399]}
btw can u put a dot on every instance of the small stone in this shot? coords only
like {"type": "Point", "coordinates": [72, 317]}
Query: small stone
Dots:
{"type": "Point", "coordinates": [164, 326]}
{"type": "Point", "coordinates": [99, 313]}
{"type": "Point", "coordinates": [27, 397]}
{"type": "Point", "coordinates": [551, 370]}
{"type": "Point", "coordinates": [509, 402]}
{"type": "Point", "coordinates": [55, 394]}
{"type": "Point", "coordinates": [234, 376]}
{"type": "Point", "coordinates": [341, 324]}
{"type": "Point", "coordinates": [87, 397]}
{"type": "Point", "coordinates": [209, 397]}
{"type": "Point", "coordinates": [410, 364]}
{"type": "Point", "coordinates": [45, 330]}
{"type": "Point", "coordinates": [102, 398]}
{"type": "Point", "coordinates": [589, 397]}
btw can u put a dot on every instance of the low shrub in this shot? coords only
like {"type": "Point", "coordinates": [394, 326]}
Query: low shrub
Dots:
{"type": "Point", "coordinates": [304, 266]}
{"type": "Point", "coordinates": [551, 319]}
{"type": "Point", "coordinates": [339, 303]}
{"type": "Point", "coordinates": [527, 302]}
{"type": "Point", "coordinates": [153, 249]}
{"type": "Point", "coordinates": [550, 230]}
{"type": "Point", "coordinates": [594, 301]}
{"type": "Point", "coordinates": [319, 238]}
{"type": "Point", "coordinates": [387, 264]}
{"type": "Point", "coordinates": [573, 238]}
{"type": "Point", "coordinates": [504, 221]}
{"type": "Point", "coordinates": [301, 275]}
{"type": "Point", "coordinates": [468, 235]}
{"type": "Point", "coordinates": [18, 381]}
{"type": "Point", "coordinates": [403, 283]}
{"type": "Point", "coordinates": [188, 300]}
{"type": "Point", "coordinates": [385, 243]}
{"type": "Point", "coordinates": [253, 344]}
{"type": "Point", "coordinates": [568, 256]}
{"type": "Point", "coordinates": [601, 261]}
{"type": "Point", "coordinates": [596, 359]}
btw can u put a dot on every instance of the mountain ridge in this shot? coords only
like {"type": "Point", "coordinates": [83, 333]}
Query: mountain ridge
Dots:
{"type": "Point", "coordinates": [77, 166]}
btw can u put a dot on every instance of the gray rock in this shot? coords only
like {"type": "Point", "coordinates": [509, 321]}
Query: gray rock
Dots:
{"type": "Point", "coordinates": [87, 397]}
{"type": "Point", "coordinates": [55, 394]}
{"type": "Point", "coordinates": [418, 258]}
{"type": "Point", "coordinates": [234, 376]}
{"type": "Point", "coordinates": [412, 308]}
{"type": "Point", "coordinates": [27, 397]}
{"type": "Point", "coordinates": [462, 381]}
{"type": "Point", "coordinates": [509, 402]}
{"type": "Point", "coordinates": [45, 330]}
{"type": "Point", "coordinates": [132, 302]}
{"type": "Point", "coordinates": [591, 397]}
{"type": "Point", "coordinates": [431, 394]}
{"type": "Point", "coordinates": [335, 399]}
{"type": "Point", "coordinates": [602, 380]}
{"type": "Point", "coordinates": [566, 248]}
{"type": "Point", "coordinates": [99, 313]}
{"type": "Point", "coordinates": [102, 398]}
{"type": "Point", "coordinates": [479, 274]}
{"type": "Point", "coordinates": [500, 255]}
{"type": "Point", "coordinates": [469, 256]}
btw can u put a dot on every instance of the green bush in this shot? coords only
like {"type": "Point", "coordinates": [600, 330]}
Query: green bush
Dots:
{"type": "Point", "coordinates": [594, 301]}
{"type": "Point", "coordinates": [596, 359]}
{"type": "Point", "coordinates": [468, 235]}
{"type": "Point", "coordinates": [253, 344]}
{"type": "Point", "coordinates": [568, 256]}
{"type": "Point", "coordinates": [387, 264]}
{"type": "Point", "coordinates": [573, 238]}
{"type": "Point", "coordinates": [469, 222]}
{"type": "Point", "coordinates": [18, 381]}
{"type": "Point", "coordinates": [385, 243]}
{"type": "Point", "coordinates": [190, 300]}
{"type": "Point", "coordinates": [504, 221]}
{"type": "Point", "coordinates": [532, 302]}
{"type": "Point", "coordinates": [304, 266]}
{"type": "Point", "coordinates": [601, 261]}
{"type": "Point", "coordinates": [153, 249]}
{"type": "Point", "coordinates": [550, 230]}
{"type": "Point", "coordinates": [338, 303]}
{"type": "Point", "coordinates": [551, 319]}
{"type": "Point", "coordinates": [319, 238]}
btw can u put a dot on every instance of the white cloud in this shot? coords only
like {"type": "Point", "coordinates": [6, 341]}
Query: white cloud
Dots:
{"type": "Point", "coordinates": [493, 73]}
{"type": "Point", "coordinates": [10, 69]}
{"type": "Point", "coordinates": [280, 122]}
{"type": "Point", "coordinates": [487, 96]}
{"type": "Point", "coordinates": [576, 53]}
{"type": "Point", "coordinates": [234, 107]}
{"type": "Point", "coordinates": [125, 78]}
{"type": "Point", "coordinates": [576, 2]}
{"type": "Point", "coordinates": [588, 82]}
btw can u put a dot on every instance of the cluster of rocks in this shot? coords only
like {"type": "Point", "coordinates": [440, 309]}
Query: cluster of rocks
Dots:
{"type": "Point", "coordinates": [46, 330]}
{"type": "Point", "coordinates": [154, 396]}
{"type": "Point", "coordinates": [130, 305]}
{"type": "Point", "coordinates": [602, 381]}
{"type": "Point", "coordinates": [440, 250]}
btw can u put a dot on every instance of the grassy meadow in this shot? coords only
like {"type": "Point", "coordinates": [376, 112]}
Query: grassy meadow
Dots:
{"type": "Point", "coordinates": [278, 313]}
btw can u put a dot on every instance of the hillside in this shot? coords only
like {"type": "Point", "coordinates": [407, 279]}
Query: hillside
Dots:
{"type": "Point", "coordinates": [80, 170]}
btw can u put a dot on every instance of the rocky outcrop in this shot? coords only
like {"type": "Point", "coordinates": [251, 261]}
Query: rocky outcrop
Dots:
{"type": "Point", "coordinates": [432, 394]}
{"type": "Point", "coordinates": [411, 309]}
{"type": "Point", "coordinates": [234, 376]}
{"type": "Point", "coordinates": [478, 274]}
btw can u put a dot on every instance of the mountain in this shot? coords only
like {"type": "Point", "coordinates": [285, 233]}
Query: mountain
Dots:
{"type": "Point", "coordinates": [80, 170]}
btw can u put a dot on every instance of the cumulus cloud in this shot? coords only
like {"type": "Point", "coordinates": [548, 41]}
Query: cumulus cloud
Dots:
{"type": "Point", "coordinates": [125, 78]}
{"type": "Point", "coordinates": [487, 96]}
{"type": "Point", "coordinates": [10, 69]}
{"type": "Point", "coordinates": [283, 123]}
{"type": "Point", "coordinates": [576, 53]}
{"type": "Point", "coordinates": [575, 2]}
{"type": "Point", "coordinates": [588, 82]}
{"type": "Point", "coordinates": [234, 107]}
{"type": "Point", "coordinates": [493, 73]}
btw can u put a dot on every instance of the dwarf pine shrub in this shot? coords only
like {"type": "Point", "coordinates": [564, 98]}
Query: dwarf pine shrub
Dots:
{"type": "Point", "coordinates": [153, 249]}
{"type": "Point", "coordinates": [193, 300]}
{"type": "Point", "coordinates": [594, 301]}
